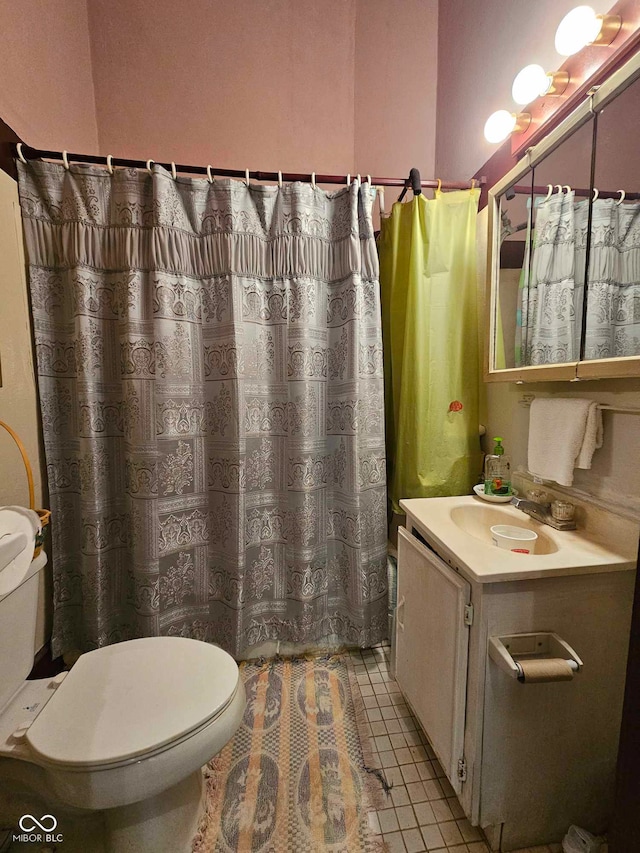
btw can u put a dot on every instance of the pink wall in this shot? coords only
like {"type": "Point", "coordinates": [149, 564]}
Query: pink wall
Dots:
{"type": "Point", "coordinates": [264, 85]}
{"type": "Point", "coordinates": [46, 86]}
{"type": "Point", "coordinates": [481, 47]}
{"type": "Point", "coordinates": [396, 82]}
{"type": "Point", "coordinates": [331, 86]}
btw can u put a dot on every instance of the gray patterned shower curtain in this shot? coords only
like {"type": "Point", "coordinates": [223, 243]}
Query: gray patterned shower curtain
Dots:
{"type": "Point", "coordinates": [210, 369]}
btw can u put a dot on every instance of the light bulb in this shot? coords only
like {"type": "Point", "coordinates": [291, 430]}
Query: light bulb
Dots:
{"type": "Point", "coordinates": [499, 125]}
{"type": "Point", "coordinates": [530, 83]}
{"type": "Point", "coordinates": [579, 27]}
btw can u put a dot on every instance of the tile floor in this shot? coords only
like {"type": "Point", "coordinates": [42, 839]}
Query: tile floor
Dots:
{"type": "Point", "coordinates": [423, 811]}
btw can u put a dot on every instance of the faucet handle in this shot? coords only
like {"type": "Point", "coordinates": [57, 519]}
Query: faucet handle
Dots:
{"type": "Point", "coordinates": [539, 496]}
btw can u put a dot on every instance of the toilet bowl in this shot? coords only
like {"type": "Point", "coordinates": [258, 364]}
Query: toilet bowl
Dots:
{"type": "Point", "coordinates": [121, 733]}
{"type": "Point", "coordinates": [127, 722]}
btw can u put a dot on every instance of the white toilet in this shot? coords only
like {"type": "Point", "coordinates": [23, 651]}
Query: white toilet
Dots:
{"type": "Point", "coordinates": [124, 734]}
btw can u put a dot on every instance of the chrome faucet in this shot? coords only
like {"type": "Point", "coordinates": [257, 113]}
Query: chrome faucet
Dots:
{"type": "Point", "coordinates": [542, 513]}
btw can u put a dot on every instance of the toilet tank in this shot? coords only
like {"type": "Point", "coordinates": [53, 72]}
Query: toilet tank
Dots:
{"type": "Point", "coordinates": [18, 598]}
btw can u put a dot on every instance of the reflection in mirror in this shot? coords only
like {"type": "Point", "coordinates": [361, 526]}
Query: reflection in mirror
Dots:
{"type": "Point", "coordinates": [553, 300]}
{"type": "Point", "coordinates": [612, 323]}
{"type": "Point", "coordinates": [544, 219]}
{"type": "Point", "coordinates": [515, 235]}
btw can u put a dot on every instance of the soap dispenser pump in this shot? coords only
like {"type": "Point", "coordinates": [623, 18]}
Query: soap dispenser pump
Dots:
{"type": "Point", "coordinates": [497, 471]}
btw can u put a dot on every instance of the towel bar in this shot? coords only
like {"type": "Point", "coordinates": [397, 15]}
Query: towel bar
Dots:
{"type": "Point", "coordinates": [527, 399]}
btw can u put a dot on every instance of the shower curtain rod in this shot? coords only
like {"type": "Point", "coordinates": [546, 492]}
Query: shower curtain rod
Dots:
{"type": "Point", "coordinates": [29, 153]}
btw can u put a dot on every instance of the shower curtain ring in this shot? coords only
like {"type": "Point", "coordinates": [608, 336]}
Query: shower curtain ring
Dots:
{"type": "Point", "coordinates": [19, 153]}
{"type": "Point", "coordinates": [174, 172]}
{"type": "Point", "coordinates": [65, 160]}
{"type": "Point", "coordinates": [439, 188]}
{"type": "Point", "coordinates": [209, 175]}
{"type": "Point", "coordinates": [280, 179]}
{"type": "Point", "coordinates": [246, 176]}
{"type": "Point", "coordinates": [348, 180]}
{"type": "Point", "coordinates": [313, 180]}
{"type": "Point", "coordinates": [622, 195]}
{"type": "Point", "coordinates": [149, 166]}
{"type": "Point", "coordinates": [110, 164]}
{"type": "Point", "coordinates": [369, 180]}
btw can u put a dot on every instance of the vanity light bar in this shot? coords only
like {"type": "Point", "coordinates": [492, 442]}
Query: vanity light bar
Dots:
{"type": "Point", "coordinates": [579, 28]}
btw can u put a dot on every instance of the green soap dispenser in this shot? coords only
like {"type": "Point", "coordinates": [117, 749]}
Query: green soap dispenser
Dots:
{"type": "Point", "coordinates": [497, 471]}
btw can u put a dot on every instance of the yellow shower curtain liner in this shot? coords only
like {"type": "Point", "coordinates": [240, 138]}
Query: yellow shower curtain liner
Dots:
{"type": "Point", "coordinates": [430, 336]}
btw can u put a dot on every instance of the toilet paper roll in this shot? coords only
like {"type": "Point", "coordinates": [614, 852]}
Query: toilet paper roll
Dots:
{"type": "Point", "coordinates": [545, 669]}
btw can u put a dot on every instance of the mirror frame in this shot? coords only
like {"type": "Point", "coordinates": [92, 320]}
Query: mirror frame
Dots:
{"type": "Point", "coordinates": [611, 368]}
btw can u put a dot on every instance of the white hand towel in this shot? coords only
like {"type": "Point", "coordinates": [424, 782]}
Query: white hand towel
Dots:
{"type": "Point", "coordinates": [592, 437]}
{"type": "Point", "coordinates": [564, 432]}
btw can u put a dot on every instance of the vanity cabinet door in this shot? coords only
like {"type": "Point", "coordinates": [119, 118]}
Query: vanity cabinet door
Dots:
{"type": "Point", "coordinates": [431, 647]}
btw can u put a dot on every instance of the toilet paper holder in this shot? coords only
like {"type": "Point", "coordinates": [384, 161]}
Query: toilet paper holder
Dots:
{"type": "Point", "coordinates": [506, 650]}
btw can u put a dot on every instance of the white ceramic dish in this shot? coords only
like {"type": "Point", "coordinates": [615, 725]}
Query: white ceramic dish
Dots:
{"type": "Point", "coordinates": [494, 499]}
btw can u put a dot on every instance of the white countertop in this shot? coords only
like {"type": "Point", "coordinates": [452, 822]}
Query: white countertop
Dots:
{"type": "Point", "coordinates": [568, 552]}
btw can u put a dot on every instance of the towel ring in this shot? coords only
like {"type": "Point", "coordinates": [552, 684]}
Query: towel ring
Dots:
{"type": "Point", "coordinates": [150, 165]}
{"type": "Point", "coordinates": [313, 180]}
{"type": "Point", "coordinates": [246, 177]}
{"type": "Point", "coordinates": [110, 164]}
{"type": "Point", "coordinates": [65, 160]}
{"type": "Point", "coordinates": [622, 195]}
{"type": "Point", "coordinates": [209, 175]}
{"type": "Point", "coordinates": [280, 179]}
{"type": "Point", "coordinates": [174, 173]}
{"type": "Point", "coordinates": [19, 153]}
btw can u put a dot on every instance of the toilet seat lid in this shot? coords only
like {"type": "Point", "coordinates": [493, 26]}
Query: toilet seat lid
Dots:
{"type": "Point", "coordinates": [124, 700]}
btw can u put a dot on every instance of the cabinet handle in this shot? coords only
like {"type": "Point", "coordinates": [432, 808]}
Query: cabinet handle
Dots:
{"type": "Point", "coordinates": [398, 606]}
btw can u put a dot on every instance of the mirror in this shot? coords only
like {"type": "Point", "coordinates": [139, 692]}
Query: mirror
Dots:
{"type": "Point", "coordinates": [514, 252]}
{"type": "Point", "coordinates": [543, 249]}
{"type": "Point", "coordinates": [612, 322]}
{"type": "Point", "coordinates": [564, 246]}
{"type": "Point", "coordinates": [552, 323]}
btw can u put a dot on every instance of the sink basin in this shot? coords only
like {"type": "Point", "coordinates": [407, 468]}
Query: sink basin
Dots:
{"type": "Point", "coordinates": [459, 530]}
{"type": "Point", "coordinates": [478, 521]}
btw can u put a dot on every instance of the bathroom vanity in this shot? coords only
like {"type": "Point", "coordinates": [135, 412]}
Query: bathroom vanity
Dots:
{"type": "Point", "coordinates": [525, 759]}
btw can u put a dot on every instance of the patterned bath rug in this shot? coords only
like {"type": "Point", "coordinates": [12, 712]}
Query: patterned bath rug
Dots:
{"type": "Point", "coordinates": [293, 779]}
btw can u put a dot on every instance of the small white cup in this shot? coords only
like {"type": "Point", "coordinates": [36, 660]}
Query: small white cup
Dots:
{"type": "Point", "coordinates": [517, 539]}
